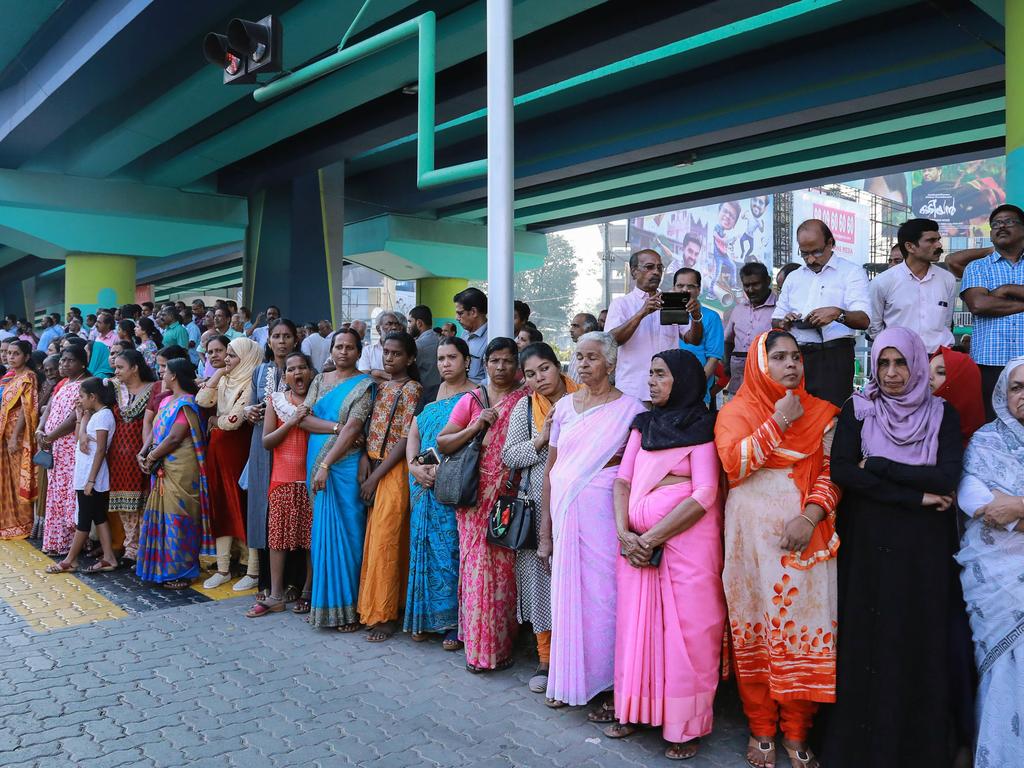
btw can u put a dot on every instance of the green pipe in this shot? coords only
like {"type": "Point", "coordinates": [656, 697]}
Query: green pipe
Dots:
{"type": "Point", "coordinates": [425, 28]}
{"type": "Point", "coordinates": [355, 21]}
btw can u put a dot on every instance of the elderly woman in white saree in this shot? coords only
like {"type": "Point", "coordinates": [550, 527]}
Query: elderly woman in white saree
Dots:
{"type": "Point", "coordinates": [992, 555]}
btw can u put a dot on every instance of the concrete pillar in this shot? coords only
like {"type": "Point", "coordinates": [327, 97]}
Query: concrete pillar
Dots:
{"type": "Point", "coordinates": [93, 280]}
{"type": "Point", "coordinates": [436, 293]}
{"type": "Point", "coordinates": [1014, 104]}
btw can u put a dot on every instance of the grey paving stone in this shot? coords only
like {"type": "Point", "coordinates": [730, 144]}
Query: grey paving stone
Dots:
{"type": "Point", "coordinates": [197, 685]}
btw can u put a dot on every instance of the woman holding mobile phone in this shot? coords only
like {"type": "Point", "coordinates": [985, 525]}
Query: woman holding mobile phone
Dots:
{"type": "Point", "coordinates": [432, 597]}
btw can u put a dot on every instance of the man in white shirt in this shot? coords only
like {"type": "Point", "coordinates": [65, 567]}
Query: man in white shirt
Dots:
{"type": "Point", "coordinates": [262, 333]}
{"type": "Point", "coordinates": [635, 323]}
{"type": "Point", "coordinates": [317, 346]}
{"type": "Point", "coordinates": [915, 293]}
{"type": "Point", "coordinates": [823, 304]}
{"type": "Point", "coordinates": [372, 359]}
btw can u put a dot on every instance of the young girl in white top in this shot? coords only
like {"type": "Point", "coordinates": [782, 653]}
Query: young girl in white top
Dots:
{"type": "Point", "coordinates": [92, 477]}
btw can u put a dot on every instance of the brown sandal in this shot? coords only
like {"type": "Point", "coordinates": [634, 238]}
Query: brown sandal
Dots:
{"type": "Point", "coordinates": [801, 758]}
{"type": "Point", "coordinates": [602, 713]}
{"type": "Point", "coordinates": [620, 730]}
{"type": "Point", "coordinates": [61, 567]}
{"type": "Point", "coordinates": [685, 750]}
{"type": "Point", "coordinates": [766, 748]}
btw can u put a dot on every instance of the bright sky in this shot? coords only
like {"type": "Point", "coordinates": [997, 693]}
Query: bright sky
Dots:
{"type": "Point", "coordinates": [588, 243]}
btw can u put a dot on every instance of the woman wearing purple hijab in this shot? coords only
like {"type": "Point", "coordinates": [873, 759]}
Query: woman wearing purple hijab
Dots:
{"type": "Point", "coordinates": [896, 456]}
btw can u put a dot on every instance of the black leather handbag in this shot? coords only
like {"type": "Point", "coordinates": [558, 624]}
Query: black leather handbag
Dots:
{"type": "Point", "coordinates": [457, 481]}
{"type": "Point", "coordinates": [511, 523]}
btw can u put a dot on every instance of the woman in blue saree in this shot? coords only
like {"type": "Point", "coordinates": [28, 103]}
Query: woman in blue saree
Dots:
{"type": "Point", "coordinates": [991, 492]}
{"type": "Point", "coordinates": [176, 524]}
{"type": "Point", "coordinates": [432, 599]}
{"type": "Point", "coordinates": [340, 401]}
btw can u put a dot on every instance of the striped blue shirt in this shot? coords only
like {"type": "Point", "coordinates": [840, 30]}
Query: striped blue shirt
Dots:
{"type": "Point", "coordinates": [995, 340]}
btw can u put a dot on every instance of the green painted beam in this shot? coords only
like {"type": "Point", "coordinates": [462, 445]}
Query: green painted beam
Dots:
{"type": "Point", "coordinates": [460, 37]}
{"type": "Point", "coordinates": [119, 198]}
{"type": "Point", "coordinates": [701, 49]}
{"type": "Point", "coordinates": [111, 234]}
{"type": "Point", "coordinates": [408, 248]}
{"type": "Point", "coordinates": [725, 156]}
{"type": "Point", "coordinates": [634, 198]}
{"type": "Point", "coordinates": [311, 27]}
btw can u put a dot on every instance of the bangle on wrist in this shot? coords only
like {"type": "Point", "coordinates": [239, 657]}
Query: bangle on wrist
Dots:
{"type": "Point", "coordinates": [805, 517]}
{"type": "Point", "coordinates": [782, 416]}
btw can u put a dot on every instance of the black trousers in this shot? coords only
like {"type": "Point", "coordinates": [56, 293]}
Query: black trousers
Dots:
{"type": "Point", "coordinates": [989, 377]}
{"type": "Point", "coordinates": [828, 370]}
{"type": "Point", "coordinates": [92, 510]}
{"type": "Point", "coordinates": [294, 569]}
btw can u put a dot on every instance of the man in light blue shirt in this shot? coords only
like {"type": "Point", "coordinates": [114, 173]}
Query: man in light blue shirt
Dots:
{"type": "Point", "coordinates": [993, 289]}
{"type": "Point", "coordinates": [195, 330]}
{"type": "Point", "coordinates": [471, 312]}
{"type": "Point", "coordinates": [711, 349]}
{"type": "Point", "coordinates": [52, 330]}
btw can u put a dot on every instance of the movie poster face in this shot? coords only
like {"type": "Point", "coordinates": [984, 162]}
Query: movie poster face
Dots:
{"type": "Point", "coordinates": [716, 240]}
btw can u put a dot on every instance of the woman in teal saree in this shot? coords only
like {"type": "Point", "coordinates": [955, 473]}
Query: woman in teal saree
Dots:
{"type": "Point", "coordinates": [340, 401]}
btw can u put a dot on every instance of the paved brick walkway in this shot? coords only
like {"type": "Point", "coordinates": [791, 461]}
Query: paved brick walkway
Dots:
{"type": "Point", "coordinates": [200, 685]}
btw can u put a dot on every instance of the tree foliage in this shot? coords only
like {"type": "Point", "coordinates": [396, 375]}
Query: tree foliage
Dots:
{"type": "Point", "coordinates": [551, 289]}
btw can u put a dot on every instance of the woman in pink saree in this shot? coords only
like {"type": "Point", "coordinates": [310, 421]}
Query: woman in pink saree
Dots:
{"type": "Point", "coordinates": [588, 433]}
{"type": "Point", "coordinates": [671, 606]}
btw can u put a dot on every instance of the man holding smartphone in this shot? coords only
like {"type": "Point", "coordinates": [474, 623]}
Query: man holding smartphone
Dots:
{"type": "Point", "coordinates": [711, 349]}
{"type": "Point", "coordinates": [636, 327]}
{"type": "Point", "coordinates": [823, 304]}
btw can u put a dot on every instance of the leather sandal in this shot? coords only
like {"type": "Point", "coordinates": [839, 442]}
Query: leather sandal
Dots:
{"type": "Point", "coordinates": [801, 758]}
{"type": "Point", "coordinates": [767, 749]}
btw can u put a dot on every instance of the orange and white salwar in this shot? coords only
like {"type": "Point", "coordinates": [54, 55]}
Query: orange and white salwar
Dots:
{"type": "Point", "coordinates": [783, 606]}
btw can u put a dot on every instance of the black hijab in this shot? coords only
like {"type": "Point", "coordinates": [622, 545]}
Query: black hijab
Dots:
{"type": "Point", "coordinates": [684, 420]}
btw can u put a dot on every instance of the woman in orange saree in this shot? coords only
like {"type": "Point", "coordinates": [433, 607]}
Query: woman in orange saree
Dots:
{"type": "Point", "coordinates": [19, 414]}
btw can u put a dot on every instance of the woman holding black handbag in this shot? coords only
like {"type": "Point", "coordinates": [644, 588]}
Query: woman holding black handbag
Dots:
{"type": "Point", "coordinates": [487, 588]}
{"type": "Point", "coordinates": [526, 450]}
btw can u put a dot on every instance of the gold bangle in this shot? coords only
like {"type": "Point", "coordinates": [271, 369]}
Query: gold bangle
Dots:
{"type": "Point", "coordinates": [805, 517]}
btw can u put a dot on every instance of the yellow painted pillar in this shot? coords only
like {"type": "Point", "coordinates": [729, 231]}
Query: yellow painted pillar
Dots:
{"type": "Point", "coordinates": [93, 280]}
{"type": "Point", "coordinates": [437, 293]}
{"type": "Point", "coordinates": [1014, 104]}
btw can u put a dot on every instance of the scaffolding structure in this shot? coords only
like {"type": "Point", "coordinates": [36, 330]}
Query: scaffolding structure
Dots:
{"type": "Point", "coordinates": [782, 232]}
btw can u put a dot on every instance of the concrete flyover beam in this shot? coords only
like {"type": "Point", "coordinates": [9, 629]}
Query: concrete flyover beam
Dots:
{"type": "Point", "coordinates": [51, 214]}
{"type": "Point", "coordinates": [409, 248]}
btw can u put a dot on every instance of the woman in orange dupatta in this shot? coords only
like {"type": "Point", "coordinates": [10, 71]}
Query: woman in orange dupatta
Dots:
{"type": "Point", "coordinates": [780, 571]}
{"type": "Point", "coordinates": [19, 414]}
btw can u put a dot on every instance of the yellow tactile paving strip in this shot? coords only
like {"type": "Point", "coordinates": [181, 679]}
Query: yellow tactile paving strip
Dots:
{"type": "Point", "coordinates": [47, 602]}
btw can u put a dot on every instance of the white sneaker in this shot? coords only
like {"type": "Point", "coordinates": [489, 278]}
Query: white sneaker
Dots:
{"type": "Point", "coordinates": [216, 580]}
{"type": "Point", "coordinates": [246, 583]}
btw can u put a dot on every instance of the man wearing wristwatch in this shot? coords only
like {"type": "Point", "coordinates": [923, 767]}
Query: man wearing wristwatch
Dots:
{"type": "Point", "coordinates": [823, 304]}
{"type": "Point", "coordinates": [634, 322]}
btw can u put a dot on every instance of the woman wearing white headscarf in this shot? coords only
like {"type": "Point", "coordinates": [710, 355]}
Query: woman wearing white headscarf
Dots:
{"type": "Point", "coordinates": [991, 493]}
{"type": "Point", "coordinates": [230, 390]}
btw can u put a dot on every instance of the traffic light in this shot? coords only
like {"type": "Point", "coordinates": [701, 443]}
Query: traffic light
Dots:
{"type": "Point", "coordinates": [218, 51]}
{"type": "Point", "coordinates": [249, 49]}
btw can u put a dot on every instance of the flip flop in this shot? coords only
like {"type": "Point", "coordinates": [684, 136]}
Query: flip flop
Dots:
{"type": "Point", "coordinates": [262, 608]}
{"type": "Point", "coordinates": [101, 567]}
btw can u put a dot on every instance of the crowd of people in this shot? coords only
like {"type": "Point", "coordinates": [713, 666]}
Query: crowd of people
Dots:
{"type": "Point", "coordinates": [846, 545]}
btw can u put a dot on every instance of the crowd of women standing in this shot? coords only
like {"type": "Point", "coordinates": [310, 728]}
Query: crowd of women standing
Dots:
{"type": "Point", "coordinates": [832, 549]}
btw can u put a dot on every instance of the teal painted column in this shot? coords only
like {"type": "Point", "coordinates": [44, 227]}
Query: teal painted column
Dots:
{"type": "Point", "coordinates": [1014, 103]}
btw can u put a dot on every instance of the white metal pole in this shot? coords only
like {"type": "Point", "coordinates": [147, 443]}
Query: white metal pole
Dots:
{"type": "Point", "coordinates": [500, 180]}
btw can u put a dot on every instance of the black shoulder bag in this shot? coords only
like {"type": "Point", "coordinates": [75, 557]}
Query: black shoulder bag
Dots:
{"type": "Point", "coordinates": [458, 477]}
{"type": "Point", "coordinates": [511, 523]}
